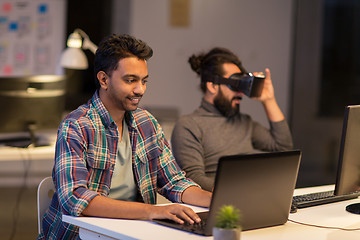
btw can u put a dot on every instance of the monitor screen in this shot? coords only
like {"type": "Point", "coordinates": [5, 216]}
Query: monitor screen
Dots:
{"type": "Point", "coordinates": [29, 104]}
{"type": "Point", "coordinates": [348, 177]}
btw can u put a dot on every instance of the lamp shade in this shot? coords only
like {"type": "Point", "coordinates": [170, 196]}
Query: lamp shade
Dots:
{"type": "Point", "coordinates": [73, 58]}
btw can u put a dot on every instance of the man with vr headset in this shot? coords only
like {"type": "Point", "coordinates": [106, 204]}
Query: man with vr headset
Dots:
{"type": "Point", "coordinates": [217, 127]}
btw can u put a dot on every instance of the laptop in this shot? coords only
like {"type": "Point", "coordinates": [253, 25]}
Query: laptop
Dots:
{"type": "Point", "coordinates": [260, 185]}
{"type": "Point", "coordinates": [347, 185]}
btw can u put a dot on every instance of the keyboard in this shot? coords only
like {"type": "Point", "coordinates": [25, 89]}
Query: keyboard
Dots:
{"type": "Point", "coordinates": [198, 228]}
{"type": "Point", "coordinates": [319, 198]}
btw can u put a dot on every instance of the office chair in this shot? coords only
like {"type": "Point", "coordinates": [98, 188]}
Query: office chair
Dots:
{"type": "Point", "coordinates": [45, 192]}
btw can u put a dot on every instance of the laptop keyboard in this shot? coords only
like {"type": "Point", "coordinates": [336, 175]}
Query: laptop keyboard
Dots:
{"type": "Point", "coordinates": [318, 198]}
{"type": "Point", "coordinates": [196, 227]}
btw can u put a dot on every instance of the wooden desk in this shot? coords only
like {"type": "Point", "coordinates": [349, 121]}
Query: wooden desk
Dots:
{"type": "Point", "coordinates": [329, 215]}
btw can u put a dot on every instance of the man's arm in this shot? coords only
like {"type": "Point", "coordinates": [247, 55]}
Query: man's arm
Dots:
{"type": "Point", "coordinates": [279, 136]}
{"type": "Point", "coordinates": [102, 206]}
{"type": "Point", "coordinates": [268, 100]}
{"type": "Point", "coordinates": [197, 196]}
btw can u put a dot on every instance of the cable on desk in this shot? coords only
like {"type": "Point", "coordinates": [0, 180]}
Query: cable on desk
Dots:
{"type": "Point", "coordinates": [325, 227]}
{"type": "Point", "coordinates": [27, 164]}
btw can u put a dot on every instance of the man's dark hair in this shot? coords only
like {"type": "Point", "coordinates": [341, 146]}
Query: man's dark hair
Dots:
{"type": "Point", "coordinates": [116, 47]}
{"type": "Point", "coordinates": [210, 64]}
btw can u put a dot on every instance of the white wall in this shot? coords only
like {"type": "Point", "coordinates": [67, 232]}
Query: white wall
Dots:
{"type": "Point", "coordinates": [258, 31]}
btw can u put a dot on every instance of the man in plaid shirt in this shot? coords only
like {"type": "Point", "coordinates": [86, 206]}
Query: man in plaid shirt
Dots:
{"type": "Point", "coordinates": [111, 157]}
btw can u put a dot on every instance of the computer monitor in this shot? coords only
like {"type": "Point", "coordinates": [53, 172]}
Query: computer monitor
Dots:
{"type": "Point", "coordinates": [29, 104]}
{"type": "Point", "coordinates": [348, 176]}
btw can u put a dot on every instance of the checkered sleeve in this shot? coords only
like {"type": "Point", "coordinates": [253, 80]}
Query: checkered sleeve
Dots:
{"type": "Point", "coordinates": [171, 178]}
{"type": "Point", "coordinates": [70, 172]}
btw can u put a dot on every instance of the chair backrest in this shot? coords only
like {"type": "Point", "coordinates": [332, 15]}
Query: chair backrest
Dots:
{"type": "Point", "coordinates": [45, 193]}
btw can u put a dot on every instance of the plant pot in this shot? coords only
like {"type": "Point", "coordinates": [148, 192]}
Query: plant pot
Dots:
{"type": "Point", "coordinates": [226, 234]}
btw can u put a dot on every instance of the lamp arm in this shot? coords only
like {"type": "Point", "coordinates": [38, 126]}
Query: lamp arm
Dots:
{"type": "Point", "coordinates": [87, 43]}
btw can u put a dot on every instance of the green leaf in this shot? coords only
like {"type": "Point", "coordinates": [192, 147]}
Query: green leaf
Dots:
{"type": "Point", "coordinates": [228, 217]}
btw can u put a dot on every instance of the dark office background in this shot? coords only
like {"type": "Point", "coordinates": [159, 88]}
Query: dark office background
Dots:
{"type": "Point", "coordinates": [93, 17]}
{"type": "Point", "coordinates": [340, 75]}
{"type": "Point", "coordinates": [325, 79]}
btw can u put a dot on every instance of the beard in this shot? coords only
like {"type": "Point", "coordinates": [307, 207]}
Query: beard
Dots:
{"type": "Point", "coordinates": [122, 102]}
{"type": "Point", "coordinates": [224, 106]}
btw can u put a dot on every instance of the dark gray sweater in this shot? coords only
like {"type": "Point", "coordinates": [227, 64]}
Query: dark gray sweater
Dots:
{"type": "Point", "coordinates": [202, 137]}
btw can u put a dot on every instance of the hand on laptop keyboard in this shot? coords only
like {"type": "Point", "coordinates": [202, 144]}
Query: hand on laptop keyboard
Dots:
{"type": "Point", "coordinates": [176, 212]}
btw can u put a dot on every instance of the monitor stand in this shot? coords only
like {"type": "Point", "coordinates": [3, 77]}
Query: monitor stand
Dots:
{"type": "Point", "coordinates": [24, 141]}
{"type": "Point", "coordinates": [20, 142]}
{"type": "Point", "coordinates": [353, 208]}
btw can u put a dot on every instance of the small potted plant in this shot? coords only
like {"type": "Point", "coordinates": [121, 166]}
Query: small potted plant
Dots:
{"type": "Point", "coordinates": [227, 225]}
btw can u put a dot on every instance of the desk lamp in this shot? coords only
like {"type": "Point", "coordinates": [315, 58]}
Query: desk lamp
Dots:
{"type": "Point", "coordinates": [73, 57]}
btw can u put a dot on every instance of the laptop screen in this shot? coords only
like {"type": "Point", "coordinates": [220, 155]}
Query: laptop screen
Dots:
{"type": "Point", "coordinates": [260, 185]}
{"type": "Point", "coordinates": [348, 176]}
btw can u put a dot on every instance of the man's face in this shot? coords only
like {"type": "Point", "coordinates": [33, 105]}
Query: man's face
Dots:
{"type": "Point", "coordinates": [227, 101]}
{"type": "Point", "coordinates": [127, 84]}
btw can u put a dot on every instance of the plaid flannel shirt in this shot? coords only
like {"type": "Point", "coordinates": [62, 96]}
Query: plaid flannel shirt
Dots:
{"type": "Point", "coordinates": [85, 156]}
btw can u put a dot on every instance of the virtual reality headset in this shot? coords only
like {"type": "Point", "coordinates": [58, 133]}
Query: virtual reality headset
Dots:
{"type": "Point", "coordinates": [246, 83]}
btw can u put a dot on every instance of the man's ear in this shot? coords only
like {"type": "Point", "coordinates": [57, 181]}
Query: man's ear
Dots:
{"type": "Point", "coordinates": [103, 79]}
{"type": "Point", "coordinates": [212, 88]}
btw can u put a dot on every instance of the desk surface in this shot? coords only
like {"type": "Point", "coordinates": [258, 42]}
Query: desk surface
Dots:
{"type": "Point", "coordinates": [331, 215]}
{"type": "Point", "coordinates": [34, 163]}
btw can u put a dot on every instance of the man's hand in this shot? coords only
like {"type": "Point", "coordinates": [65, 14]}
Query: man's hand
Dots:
{"type": "Point", "coordinates": [268, 100]}
{"type": "Point", "coordinates": [268, 90]}
{"type": "Point", "coordinates": [175, 212]}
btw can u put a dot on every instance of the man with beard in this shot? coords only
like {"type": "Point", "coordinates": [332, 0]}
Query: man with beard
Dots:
{"type": "Point", "coordinates": [217, 127]}
{"type": "Point", "coordinates": [111, 157]}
